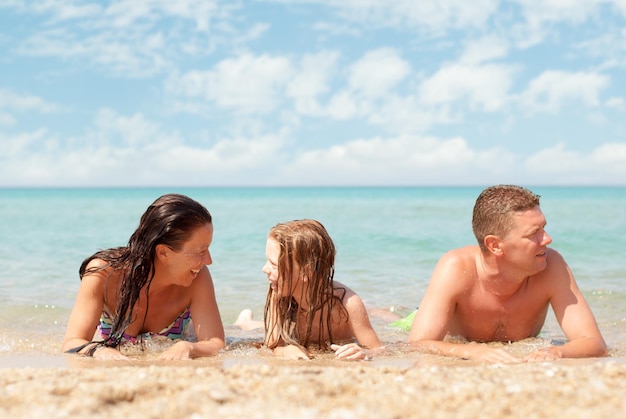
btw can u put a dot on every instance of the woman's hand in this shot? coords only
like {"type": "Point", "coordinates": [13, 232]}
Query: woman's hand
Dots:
{"type": "Point", "coordinates": [109, 354]}
{"type": "Point", "coordinates": [179, 350]}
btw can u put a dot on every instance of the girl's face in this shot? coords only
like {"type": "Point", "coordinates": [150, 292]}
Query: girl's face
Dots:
{"type": "Point", "coordinates": [272, 252]}
{"type": "Point", "coordinates": [276, 280]}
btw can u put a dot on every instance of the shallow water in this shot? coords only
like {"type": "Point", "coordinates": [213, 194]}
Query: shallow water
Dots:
{"type": "Point", "coordinates": [388, 241]}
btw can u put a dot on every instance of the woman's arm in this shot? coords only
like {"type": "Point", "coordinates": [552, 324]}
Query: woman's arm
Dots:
{"type": "Point", "coordinates": [206, 320]}
{"type": "Point", "coordinates": [85, 316]}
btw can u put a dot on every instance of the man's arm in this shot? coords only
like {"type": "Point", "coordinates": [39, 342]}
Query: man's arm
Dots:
{"type": "Point", "coordinates": [435, 312]}
{"type": "Point", "coordinates": [573, 314]}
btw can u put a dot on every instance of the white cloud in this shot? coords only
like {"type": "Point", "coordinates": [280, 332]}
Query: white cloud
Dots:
{"type": "Point", "coordinates": [311, 80]}
{"type": "Point", "coordinates": [227, 157]}
{"type": "Point", "coordinates": [400, 160]}
{"type": "Point", "coordinates": [615, 102]}
{"type": "Point", "coordinates": [128, 54]}
{"type": "Point", "coordinates": [484, 49]}
{"type": "Point", "coordinates": [22, 144]}
{"type": "Point", "coordinates": [552, 90]}
{"type": "Point", "coordinates": [620, 5]}
{"type": "Point", "coordinates": [482, 86]}
{"type": "Point", "coordinates": [129, 38]}
{"type": "Point", "coordinates": [133, 131]}
{"type": "Point", "coordinates": [17, 102]}
{"type": "Point", "coordinates": [124, 13]}
{"type": "Point", "coordinates": [256, 93]}
{"type": "Point", "coordinates": [603, 165]}
{"type": "Point", "coordinates": [246, 83]}
{"type": "Point", "coordinates": [610, 46]}
{"type": "Point", "coordinates": [343, 105]}
{"type": "Point", "coordinates": [404, 115]}
{"type": "Point", "coordinates": [12, 103]}
{"type": "Point", "coordinates": [540, 11]}
{"type": "Point", "coordinates": [377, 72]}
{"type": "Point", "coordinates": [133, 150]}
{"type": "Point", "coordinates": [59, 10]}
{"type": "Point", "coordinates": [542, 17]}
{"type": "Point", "coordinates": [431, 15]}
{"type": "Point", "coordinates": [612, 155]}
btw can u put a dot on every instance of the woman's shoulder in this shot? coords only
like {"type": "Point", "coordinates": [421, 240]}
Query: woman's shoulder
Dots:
{"type": "Point", "coordinates": [98, 268]}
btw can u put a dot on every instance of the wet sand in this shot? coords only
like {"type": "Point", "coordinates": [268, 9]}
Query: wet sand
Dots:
{"type": "Point", "coordinates": [247, 382]}
{"type": "Point", "coordinates": [236, 385]}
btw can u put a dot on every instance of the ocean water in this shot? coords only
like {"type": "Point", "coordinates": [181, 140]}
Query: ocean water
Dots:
{"type": "Point", "coordinates": [388, 241]}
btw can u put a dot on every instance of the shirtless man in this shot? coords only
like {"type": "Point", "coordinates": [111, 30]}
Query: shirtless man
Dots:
{"type": "Point", "coordinates": [500, 290]}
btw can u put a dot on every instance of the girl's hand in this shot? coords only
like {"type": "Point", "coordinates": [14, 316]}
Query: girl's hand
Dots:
{"type": "Point", "coordinates": [291, 352]}
{"type": "Point", "coordinates": [350, 352]}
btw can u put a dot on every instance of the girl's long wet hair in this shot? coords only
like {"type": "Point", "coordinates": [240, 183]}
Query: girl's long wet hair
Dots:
{"type": "Point", "coordinates": [306, 252]}
{"type": "Point", "coordinates": [170, 221]}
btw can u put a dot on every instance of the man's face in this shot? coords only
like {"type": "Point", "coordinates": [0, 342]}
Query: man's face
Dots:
{"type": "Point", "coordinates": [525, 245]}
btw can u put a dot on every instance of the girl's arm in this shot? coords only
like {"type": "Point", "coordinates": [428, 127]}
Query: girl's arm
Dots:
{"type": "Point", "coordinates": [273, 339]}
{"type": "Point", "coordinates": [362, 329]}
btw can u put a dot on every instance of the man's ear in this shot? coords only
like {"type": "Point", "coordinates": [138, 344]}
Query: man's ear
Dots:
{"type": "Point", "coordinates": [493, 244]}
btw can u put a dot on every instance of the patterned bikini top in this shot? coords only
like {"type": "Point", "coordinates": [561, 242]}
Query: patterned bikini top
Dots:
{"type": "Point", "coordinates": [176, 330]}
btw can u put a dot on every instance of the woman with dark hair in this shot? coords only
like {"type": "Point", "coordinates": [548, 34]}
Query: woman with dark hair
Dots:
{"type": "Point", "coordinates": [154, 286]}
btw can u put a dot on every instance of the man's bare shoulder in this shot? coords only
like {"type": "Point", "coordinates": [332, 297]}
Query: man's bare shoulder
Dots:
{"type": "Point", "coordinates": [456, 269]}
{"type": "Point", "coordinates": [556, 271]}
{"type": "Point", "coordinates": [462, 257]}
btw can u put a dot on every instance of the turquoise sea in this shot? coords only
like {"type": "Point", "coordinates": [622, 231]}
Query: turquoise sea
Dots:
{"type": "Point", "coordinates": [388, 241]}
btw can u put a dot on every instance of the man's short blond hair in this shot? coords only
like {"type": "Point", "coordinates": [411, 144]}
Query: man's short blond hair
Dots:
{"type": "Point", "coordinates": [495, 207]}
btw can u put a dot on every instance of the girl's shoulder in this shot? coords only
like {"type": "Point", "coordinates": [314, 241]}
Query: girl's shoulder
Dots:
{"type": "Point", "coordinates": [349, 298]}
{"type": "Point", "coordinates": [342, 291]}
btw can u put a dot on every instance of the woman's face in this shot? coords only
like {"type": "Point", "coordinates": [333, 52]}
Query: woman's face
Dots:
{"type": "Point", "coordinates": [194, 255]}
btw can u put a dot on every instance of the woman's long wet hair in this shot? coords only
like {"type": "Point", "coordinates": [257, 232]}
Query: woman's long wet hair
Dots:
{"type": "Point", "coordinates": [170, 221]}
{"type": "Point", "coordinates": [306, 251]}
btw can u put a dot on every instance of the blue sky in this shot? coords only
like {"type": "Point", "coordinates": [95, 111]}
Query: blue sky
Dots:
{"type": "Point", "coordinates": [319, 92]}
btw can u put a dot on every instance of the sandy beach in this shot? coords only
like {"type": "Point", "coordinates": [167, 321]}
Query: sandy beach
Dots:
{"type": "Point", "coordinates": [234, 386]}
{"type": "Point", "coordinates": [246, 381]}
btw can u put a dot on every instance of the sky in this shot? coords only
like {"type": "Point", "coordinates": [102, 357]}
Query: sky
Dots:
{"type": "Point", "coordinates": [312, 92]}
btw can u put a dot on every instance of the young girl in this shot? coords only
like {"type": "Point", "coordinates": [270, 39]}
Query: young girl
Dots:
{"type": "Point", "coordinates": [153, 286]}
{"type": "Point", "coordinates": [304, 305]}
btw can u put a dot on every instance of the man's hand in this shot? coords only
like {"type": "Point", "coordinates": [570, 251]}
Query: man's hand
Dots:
{"type": "Point", "coordinates": [550, 353]}
{"type": "Point", "coordinates": [483, 353]}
